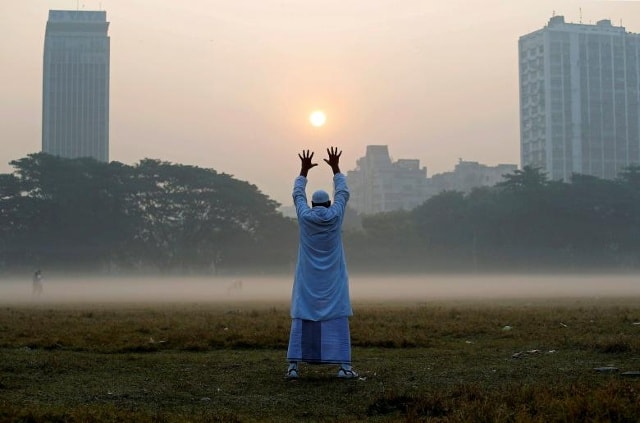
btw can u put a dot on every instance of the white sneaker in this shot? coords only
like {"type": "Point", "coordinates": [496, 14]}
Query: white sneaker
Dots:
{"type": "Point", "coordinates": [345, 373]}
{"type": "Point", "coordinates": [292, 372]}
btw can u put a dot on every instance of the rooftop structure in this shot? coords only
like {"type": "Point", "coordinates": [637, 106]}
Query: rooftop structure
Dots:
{"type": "Point", "coordinates": [75, 89]}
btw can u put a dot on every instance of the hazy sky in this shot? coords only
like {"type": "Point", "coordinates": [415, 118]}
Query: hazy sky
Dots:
{"type": "Point", "coordinates": [229, 85]}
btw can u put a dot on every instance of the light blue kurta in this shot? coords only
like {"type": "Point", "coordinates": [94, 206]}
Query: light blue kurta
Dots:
{"type": "Point", "coordinates": [321, 283]}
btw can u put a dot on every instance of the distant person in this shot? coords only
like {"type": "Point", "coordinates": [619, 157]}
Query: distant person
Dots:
{"type": "Point", "coordinates": [320, 302]}
{"type": "Point", "coordinates": [37, 283]}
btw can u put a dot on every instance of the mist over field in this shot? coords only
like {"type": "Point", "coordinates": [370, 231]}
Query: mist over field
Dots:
{"type": "Point", "coordinates": [277, 290]}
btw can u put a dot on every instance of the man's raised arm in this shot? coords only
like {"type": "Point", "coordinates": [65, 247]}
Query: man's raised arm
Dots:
{"type": "Point", "coordinates": [340, 190]}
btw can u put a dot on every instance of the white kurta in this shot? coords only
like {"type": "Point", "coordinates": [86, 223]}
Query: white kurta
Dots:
{"type": "Point", "coordinates": [321, 283]}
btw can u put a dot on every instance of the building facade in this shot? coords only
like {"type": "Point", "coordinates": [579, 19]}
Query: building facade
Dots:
{"type": "Point", "coordinates": [579, 99]}
{"type": "Point", "coordinates": [75, 91]}
{"type": "Point", "coordinates": [379, 185]}
{"type": "Point", "coordinates": [468, 175]}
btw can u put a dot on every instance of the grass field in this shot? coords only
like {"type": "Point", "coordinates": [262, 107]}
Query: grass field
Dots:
{"type": "Point", "coordinates": [450, 361]}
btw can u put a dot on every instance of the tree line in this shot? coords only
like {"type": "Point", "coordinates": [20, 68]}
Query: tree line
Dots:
{"type": "Point", "coordinates": [155, 216]}
{"type": "Point", "coordinates": [524, 223]}
{"type": "Point", "coordinates": [81, 214]}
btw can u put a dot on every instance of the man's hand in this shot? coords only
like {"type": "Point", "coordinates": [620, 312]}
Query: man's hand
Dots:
{"type": "Point", "coordinates": [334, 159]}
{"type": "Point", "coordinates": [305, 162]}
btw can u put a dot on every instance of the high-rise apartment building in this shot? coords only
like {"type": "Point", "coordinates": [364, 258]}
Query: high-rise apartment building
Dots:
{"type": "Point", "coordinates": [75, 91]}
{"type": "Point", "coordinates": [579, 99]}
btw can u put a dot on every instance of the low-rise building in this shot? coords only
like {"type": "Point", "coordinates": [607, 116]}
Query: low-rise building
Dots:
{"type": "Point", "coordinates": [379, 184]}
{"type": "Point", "coordinates": [468, 175]}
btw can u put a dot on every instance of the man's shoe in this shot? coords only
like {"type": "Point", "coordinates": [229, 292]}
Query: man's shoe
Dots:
{"type": "Point", "coordinates": [292, 372]}
{"type": "Point", "coordinates": [345, 373]}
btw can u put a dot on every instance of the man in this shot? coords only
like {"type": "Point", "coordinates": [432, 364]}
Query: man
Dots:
{"type": "Point", "coordinates": [320, 303]}
{"type": "Point", "coordinates": [37, 283]}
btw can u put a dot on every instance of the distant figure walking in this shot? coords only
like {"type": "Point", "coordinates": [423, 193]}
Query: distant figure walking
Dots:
{"type": "Point", "coordinates": [37, 283]}
{"type": "Point", "coordinates": [320, 302]}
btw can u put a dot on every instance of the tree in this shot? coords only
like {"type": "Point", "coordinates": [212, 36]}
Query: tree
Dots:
{"type": "Point", "coordinates": [196, 218]}
{"type": "Point", "coordinates": [154, 215]}
{"type": "Point", "coordinates": [526, 181]}
{"type": "Point", "coordinates": [67, 210]}
{"type": "Point", "coordinates": [442, 221]}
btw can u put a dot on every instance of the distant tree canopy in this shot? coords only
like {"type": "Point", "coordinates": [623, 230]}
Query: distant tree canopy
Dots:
{"type": "Point", "coordinates": [156, 216]}
{"type": "Point", "coordinates": [525, 222]}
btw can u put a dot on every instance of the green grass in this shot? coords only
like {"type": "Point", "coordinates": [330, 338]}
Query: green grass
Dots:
{"type": "Point", "coordinates": [442, 361]}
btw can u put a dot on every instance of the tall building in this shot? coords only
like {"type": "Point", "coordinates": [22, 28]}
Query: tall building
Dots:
{"type": "Point", "coordinates": [579, 99]}
{"type": "Point", "coordinates": [75, 90]}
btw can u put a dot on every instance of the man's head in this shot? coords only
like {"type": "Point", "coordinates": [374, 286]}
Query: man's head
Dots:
{"type": "Point", "coordinates": [320, 198]}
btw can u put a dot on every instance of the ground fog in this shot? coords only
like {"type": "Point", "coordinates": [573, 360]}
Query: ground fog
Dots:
{"type": "Point", "coordinates": [388, 288]}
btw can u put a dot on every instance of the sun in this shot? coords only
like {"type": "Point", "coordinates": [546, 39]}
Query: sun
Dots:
{"type": "Point", "coordinates": [317, 118]}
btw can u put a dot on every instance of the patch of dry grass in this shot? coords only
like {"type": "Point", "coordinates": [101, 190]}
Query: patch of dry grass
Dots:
{"type": "Point", "coordinates": [514, 361]}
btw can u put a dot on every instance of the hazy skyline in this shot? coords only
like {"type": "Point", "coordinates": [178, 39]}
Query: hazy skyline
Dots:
{"type": "Point", "coordinates": [230, 85]}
